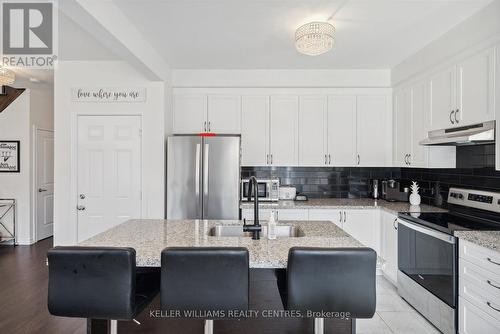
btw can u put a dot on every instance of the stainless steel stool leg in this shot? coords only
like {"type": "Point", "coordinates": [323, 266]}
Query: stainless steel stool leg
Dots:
{"type": "Point", "coordinates": [319, 325]}
{"type": "Point", "coordinates": [209, 327]}
{"type": "Point", "coordinates": [113, 326]}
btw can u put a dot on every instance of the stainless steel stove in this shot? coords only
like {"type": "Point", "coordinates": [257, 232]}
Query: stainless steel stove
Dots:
{"type": "Point", "coordinates": [428, 252]}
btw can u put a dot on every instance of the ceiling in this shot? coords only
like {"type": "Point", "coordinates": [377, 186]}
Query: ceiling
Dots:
{"type": "Point", "coordinates": [242, 34]}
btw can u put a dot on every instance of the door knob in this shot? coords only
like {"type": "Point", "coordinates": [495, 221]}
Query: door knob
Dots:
{"type": "Point", "coordinates": [80, 208]}
{"type": "Point", "coordinates": [41, 190]}
{"type": "Point", "coordinates": [82, 196]}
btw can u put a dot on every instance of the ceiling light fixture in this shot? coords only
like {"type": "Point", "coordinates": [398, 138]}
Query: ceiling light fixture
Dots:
{"type": "Point", "coordinates": [315, 38]}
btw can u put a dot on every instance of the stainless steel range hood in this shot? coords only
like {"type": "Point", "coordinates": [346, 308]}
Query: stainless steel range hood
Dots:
{"type": "Point", "coordinates": [477, 134]}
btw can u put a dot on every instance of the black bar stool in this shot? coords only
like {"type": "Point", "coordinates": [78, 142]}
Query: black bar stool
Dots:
{"type": "Point", "coordinates": [205, 281]}
{"type": "Point", "coordinates": [332, 280]}
{"type": "Point", "coordinates": [99, 283]}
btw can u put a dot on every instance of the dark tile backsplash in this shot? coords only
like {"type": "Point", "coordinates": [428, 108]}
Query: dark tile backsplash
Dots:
{"type": "Point", "coordinates": [325, 182]}
{"type": "Point", "coordinates": [476, 169]}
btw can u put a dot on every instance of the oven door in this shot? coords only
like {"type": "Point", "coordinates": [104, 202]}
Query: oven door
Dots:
{"type": "Point", "coordinates": [263, 190]}
{"type": "Point", "coordinates": [429, 258]}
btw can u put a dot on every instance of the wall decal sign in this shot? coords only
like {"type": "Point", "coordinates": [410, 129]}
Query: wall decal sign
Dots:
{"type": "Point", "coordinates": [108, 94]}
{"type": "Point", "coordinates": [9, 156]}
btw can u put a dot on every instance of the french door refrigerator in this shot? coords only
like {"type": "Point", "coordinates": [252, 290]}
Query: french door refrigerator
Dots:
{"type": "Point", "coordinates": [203, 177]}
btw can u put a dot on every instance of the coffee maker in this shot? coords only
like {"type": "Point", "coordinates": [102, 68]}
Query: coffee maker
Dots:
{"type": "Point", "coordinates": [391, 191]}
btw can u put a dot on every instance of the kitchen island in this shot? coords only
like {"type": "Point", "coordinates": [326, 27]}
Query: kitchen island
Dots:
{"type": "Point", "coordinates": [149, 237]}
{"type": "Point", "coordinates": [268, 262]}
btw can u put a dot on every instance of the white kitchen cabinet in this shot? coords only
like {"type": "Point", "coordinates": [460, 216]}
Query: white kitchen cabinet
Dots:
{"type": "Point", "coordinates": [389, 245]}
{"type": "Point", "coordinates": [224, 114]}
{"type": "Point", "coordinates": [189, 114]}
{"type": "Point", "coordinates": [475, 90]}
{"type": "Point", "coordinates": [293, 214]}
{"type": "Point", "coordinates": [472, 320]}
{"type": "Point", "coordinates": [255, 130]}
{"type": "Point", "coordinates": [284, 130]}
{"type": "Point", "coordinates": [364, 226]}
{"type": "Point", "coordinates": [372, 131]}
{"type": "Point", "coordinates": [264, 214]}
{"type": "Point", "coordinates": [334, 215]}
{"type": "Point", "coordinates": [419, 119]}
{"type": "Point", "coordinates": [342, 131]}
{"type": "Point", "coordinates": [443, 99]}
{"type": "Point", "coordinates": [403, 126]}
{"type": "Point", "coordinates": [312, 131]}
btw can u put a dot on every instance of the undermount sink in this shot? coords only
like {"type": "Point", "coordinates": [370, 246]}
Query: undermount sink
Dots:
{"type": "Point", "coordinates": [282, 231]}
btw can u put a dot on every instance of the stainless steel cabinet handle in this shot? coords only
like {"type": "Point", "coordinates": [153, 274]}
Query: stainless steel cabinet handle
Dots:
{"type": "Point", "coordinates": [329, 159]}
{"type": "Point", "coordinates": [325, 160]}
{"type": "Point", "coordinates": [493, 285]}
{"type": "Point", "coordinates": [394, 224]}
{"type": "Point", "coordinates": [456, 119]}
{"type": "Point", "coordinates": [271, 159]}
{"type": "Point", "coordinates": [409, 159]}
{"type": "Point", "coordinates": [406, 159]}
{"type": "Point", "coordinates": [490, 260]}
{"type": "Point", "coordinates": [340, 216]}
{"type": "Point", "coordinates": [205, 126]}
{"type": "Point", "coordinates": [267, 159]}
{"type": "Point", "coordinates": [359, 159]}
{"type": "Point", "coordinates": [451, 114]}
{"type": "Point", "coordinates": [345, 216]}
{"type": "Point", "coordinates": [494, 308]}
{"type": "Point", "coordinates": [80, 208]}
{"type": "Point", "coordinates": [209, 126]}
{"type": "Point", "coordinates": [41, 190]}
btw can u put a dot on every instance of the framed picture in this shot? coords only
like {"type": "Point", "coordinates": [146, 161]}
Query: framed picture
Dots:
{"type": "Point", "coordinates": [10, 157]}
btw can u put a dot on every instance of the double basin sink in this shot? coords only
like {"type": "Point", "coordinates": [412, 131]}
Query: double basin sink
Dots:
{"type": "Point", "coordinates": [282, 231]}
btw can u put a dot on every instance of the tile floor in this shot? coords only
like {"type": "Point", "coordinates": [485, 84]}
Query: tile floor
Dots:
{"type": "Point", "coordinates": [393, 315]}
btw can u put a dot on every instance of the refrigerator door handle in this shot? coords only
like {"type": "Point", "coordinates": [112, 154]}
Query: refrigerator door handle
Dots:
{"type": "Point", "coordinates": [205, 170]}
{"type": "Point", "coordinates": [197, 176]}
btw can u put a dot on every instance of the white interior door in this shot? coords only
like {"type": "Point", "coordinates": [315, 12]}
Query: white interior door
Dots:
{"type": "Point", "coordinates": [109, 172]}
{"type": "Point", "coordinates": [44, 192]}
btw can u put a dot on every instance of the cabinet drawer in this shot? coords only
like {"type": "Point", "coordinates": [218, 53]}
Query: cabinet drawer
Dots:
{"type": "Point", "coordinates": [324, 214]}
{"type": "Point", "coordinates": [482, 257]}
{"type": "Point", "coordinates": [293, 214]}
{"type": "Point", "coordinates": [471, 320]}
{"type": "Point", "coordinates": [480, 287]}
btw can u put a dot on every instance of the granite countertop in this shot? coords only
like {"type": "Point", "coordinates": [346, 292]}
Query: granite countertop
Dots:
{"type": "Point", "coordinates": [149, 237]}
{"type": "Point", "coordinates": [345, 203]}
{"type": "Point", "coordinates": [487, 239]}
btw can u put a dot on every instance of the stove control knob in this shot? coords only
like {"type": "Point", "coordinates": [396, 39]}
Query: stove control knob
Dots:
{"type": "Point", "coordinates": [460, 196]}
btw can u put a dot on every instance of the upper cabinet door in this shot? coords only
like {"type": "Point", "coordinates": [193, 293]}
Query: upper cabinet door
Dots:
{"type": "Point", "coordinates": [284, 116]}
{"type": "Point", "coordinates": [312, 131]}
{"type": "Point", "coordinates": [443, 93]}
{"type": "Point", "coordinates": [190, 113]}
{"type": "Point", "coordinates": [476, 89]}
{"type": "Point", "coordinates": [342, 147]}
{"type": "Point", "coordinates": [403, 128]}
{"type": "Point", "coordinates": [224, 114]}
{"type": "Point", "coordinates": [255, 130]}
{"type": "Point", "coordinates": [420, 111]}
{"type": "Point", "coordinates": [372, 131]}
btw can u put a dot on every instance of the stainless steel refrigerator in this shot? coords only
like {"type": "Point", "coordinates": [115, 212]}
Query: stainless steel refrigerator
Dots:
{"type": "Point", "coordinates": [203, 177]}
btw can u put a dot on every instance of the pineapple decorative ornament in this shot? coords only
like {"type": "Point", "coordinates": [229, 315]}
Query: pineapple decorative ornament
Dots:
{"type": "Point", "coordinates": [414, 197]}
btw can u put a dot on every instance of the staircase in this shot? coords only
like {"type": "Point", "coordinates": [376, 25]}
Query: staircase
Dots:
{"type": "Point", "coordinates": [10, 95]}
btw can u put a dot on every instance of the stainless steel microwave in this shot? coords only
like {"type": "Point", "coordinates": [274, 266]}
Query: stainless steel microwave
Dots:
{"type": "Point", "coordinates": [268, 189]}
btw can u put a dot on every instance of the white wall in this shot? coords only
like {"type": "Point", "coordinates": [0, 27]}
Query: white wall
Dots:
{"type": "Point", "coordinates": [281, 78]}
{"type": "Point", "coordinates": [105, 74]}
{"type": "Point", "coordinates": [480, 30]}
{"type": "Point", "coordinates": [15, 125]}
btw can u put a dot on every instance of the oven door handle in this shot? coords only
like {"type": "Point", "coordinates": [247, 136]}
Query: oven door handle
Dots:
{"type": "Point", "coordinates": [436, 234]}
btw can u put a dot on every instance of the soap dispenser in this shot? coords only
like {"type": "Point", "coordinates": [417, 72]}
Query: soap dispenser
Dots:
{"type": "Point", "coordinates": [271, 227]}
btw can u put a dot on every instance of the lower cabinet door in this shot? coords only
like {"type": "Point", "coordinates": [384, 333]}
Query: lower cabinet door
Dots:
{"type": "Point", "coordinates": [362, 225]}
{"type": "Point", "coordinates": [472, 320]}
